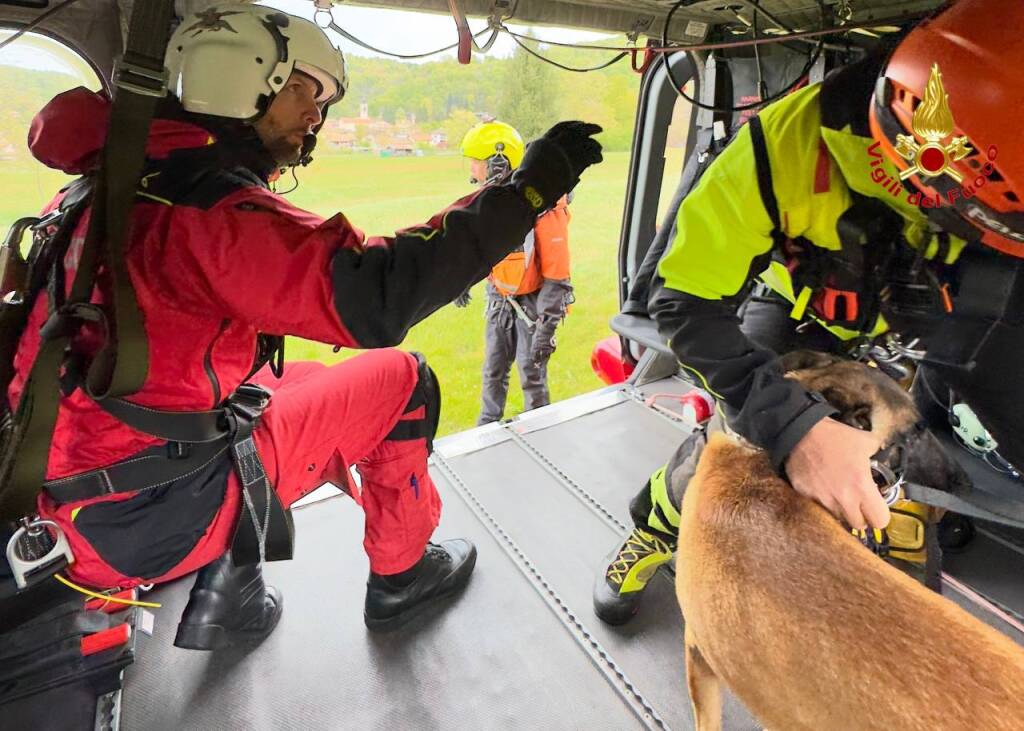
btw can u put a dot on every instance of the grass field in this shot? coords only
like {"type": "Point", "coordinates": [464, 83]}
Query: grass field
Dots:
{"type": "Point", "coordinates": [380, 195]}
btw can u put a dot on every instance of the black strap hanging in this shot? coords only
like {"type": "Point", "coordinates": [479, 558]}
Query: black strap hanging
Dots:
{"type": "Point", "coordinates": [120, 368]}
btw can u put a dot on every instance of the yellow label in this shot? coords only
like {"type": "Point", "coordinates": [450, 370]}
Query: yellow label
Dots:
{"type": "Point", "coordinates": [535, 199]}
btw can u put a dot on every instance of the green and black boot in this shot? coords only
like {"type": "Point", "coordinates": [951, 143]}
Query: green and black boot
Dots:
{"type": "Point", "coordinates": [620, 586]}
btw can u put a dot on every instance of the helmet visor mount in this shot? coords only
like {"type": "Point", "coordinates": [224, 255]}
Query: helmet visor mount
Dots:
{"type": "Point", "coordinates": [328, 90]}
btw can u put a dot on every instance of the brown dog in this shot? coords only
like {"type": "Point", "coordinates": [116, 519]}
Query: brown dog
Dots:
{"type": "Point", "coordinates": [805, 625]}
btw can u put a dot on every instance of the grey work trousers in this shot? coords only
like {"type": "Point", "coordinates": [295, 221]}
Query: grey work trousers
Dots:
{"type": "Point", "coordinates": [509, 338]}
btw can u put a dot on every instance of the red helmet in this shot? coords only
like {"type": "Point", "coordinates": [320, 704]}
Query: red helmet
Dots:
{"type": "Point", "coordinates": [945, 111]}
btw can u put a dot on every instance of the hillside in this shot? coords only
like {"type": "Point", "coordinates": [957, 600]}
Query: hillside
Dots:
{"type": "Point", "coordinates": [439, 95]}
{"type": "Point", "coordinates": [25, 92]}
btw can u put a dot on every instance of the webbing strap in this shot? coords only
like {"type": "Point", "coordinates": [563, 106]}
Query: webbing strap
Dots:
{"type": "Point", "coordinates": [140, 81]}
{"type": "Point", "coordinates": [264, 531]}
{"type": "Point", "coordinates": [173, 426]}
{"type": "Point", "coordinates": [978, 505]}
{"type": "Point", "coordinates": [764, 174]}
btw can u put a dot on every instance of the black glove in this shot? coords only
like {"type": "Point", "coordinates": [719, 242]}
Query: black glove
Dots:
{"type": "Point", "coordinates": [543, 345]}
{"type": "Point", "coordinates": [553, 163]}
{"type": "Point", "coordinates": [463, 299]}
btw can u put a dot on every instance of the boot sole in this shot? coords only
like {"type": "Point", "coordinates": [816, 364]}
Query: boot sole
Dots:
{"type": "Point", "coordinates": [210, 637]}
{"type": "Point", "coordinates": [616, 615]}
{"type": "Point", "coordinates": [451, 586]}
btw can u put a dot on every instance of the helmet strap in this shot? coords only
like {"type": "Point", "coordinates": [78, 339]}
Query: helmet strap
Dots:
{"type": "Point", "coordinates": [498, 168]}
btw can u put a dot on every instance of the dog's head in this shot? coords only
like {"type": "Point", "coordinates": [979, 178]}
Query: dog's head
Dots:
{"type": "Point", "coordinates": [868, 399]}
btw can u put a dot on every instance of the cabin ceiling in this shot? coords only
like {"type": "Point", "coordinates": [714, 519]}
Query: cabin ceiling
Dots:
{"type": "Point", "coordinates": [690, 23]}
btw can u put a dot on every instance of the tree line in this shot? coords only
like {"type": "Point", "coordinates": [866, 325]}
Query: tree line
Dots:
{"type": "Point", "coordinates": [521, 90]}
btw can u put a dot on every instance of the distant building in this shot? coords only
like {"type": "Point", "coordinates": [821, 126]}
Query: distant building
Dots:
{"type": "Point", "coordinates": [372, 133]}
{"type": "Point", "coordinates": [399, 145]}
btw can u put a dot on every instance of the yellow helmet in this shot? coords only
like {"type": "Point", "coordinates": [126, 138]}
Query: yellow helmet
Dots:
{"type": "Point", "coordinates": [488, 139]}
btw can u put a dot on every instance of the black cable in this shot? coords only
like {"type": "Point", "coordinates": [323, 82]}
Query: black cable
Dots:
{"type": "Point", "coordinates": [407, 57]}
{"type": "Point", "coordinates": [756, 6]}
{"type": "Point", "coordinates": [294, 187]}
{"type": "Point", "coordinates": [35, 23]}
{"type": "Point", "coordinates": [577, 46]}
{"type": "Point", "coordinates": [812, 59]}
{"type": "Point", "coordinates": [530, 51]}
{"type": "Point", "coordinates": [762, 89]}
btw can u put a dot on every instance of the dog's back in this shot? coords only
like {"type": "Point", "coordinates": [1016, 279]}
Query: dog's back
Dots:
{"type": "Point", "coordinates": [810, 630]}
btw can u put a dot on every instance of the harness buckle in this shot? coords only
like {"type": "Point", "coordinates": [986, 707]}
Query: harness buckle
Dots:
{"type": "Point", "coordinates": [875, 540]}
{"type": "Point", "coordinates": [63, 321]}
{"type": "Point", "coordinates": [37, 550]}
{"type": "Point", "coordinates": [140, 79]}
{"type": "Point", "coordinates": [249, 401]}
{"type": "Point", "coordinates": [830, 301]}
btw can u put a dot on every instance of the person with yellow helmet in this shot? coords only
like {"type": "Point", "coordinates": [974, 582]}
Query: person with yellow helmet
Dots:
{"type": "Point", "coordinates": [528, 292]}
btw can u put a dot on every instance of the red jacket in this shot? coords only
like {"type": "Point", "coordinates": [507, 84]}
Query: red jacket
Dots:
{"type": "Point", "coordinates": [216, 258]}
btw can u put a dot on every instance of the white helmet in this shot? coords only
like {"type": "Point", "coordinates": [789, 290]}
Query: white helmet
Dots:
{"type": "Point", "coordinates": [223, 60]}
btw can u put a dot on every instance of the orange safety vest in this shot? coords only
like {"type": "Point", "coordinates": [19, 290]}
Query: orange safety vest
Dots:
{"type": "Point", "coordinates": [543, 255]}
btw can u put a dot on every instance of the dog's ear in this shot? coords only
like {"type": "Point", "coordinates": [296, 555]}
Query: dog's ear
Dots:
{"type": "Point", "coordinates": [853, 409]}
{"type": "Point", "coordinates": [799, 360]}
{"type": "Point", "coordinates": [859, 417]}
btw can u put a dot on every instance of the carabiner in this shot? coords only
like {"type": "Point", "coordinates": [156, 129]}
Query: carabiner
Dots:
{"type": "Point", "coordinates": [25, 566]}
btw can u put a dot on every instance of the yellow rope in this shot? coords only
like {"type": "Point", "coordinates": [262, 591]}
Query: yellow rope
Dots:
{"type": "Point", "coordinates": [96, 595]}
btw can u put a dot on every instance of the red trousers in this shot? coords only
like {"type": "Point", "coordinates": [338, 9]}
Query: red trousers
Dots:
{"type": "Point", "coordinates": [321, 420]}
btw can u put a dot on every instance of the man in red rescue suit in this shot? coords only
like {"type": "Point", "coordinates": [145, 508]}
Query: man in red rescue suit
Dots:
{"type": "Point", "coordinates": [803, 221]}
{"type": "Point", "coordinates": [528, 292]}
{"type": "Point", "coordinates": [218, 262]}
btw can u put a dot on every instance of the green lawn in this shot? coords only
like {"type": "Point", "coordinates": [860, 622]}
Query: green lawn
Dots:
{"type": "Point", "coordinates": [380, 195]}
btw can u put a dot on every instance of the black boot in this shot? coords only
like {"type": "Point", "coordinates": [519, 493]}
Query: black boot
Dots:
{"type": "Point", "coordinates": [391, 601]}
{"type": "Point", "coordinates": [623, 578]}
{"type": "Point", "coordinates": [228, 605]}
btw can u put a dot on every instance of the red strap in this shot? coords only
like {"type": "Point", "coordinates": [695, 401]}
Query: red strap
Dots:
{"type": "Point", "coordinates": [827, 300]}
{"type": "Point", "coordinates": [465, 36]}
{"type": "Point", "coordinates": [106, 640]}
{"type": "Point", "coordinates": [643, 65]}
{"type": "Point", "coordinates": [821, 172]}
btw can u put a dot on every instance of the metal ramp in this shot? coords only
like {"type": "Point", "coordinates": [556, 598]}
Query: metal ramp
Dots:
{"type": "Point", "coordinates": [545, 499]}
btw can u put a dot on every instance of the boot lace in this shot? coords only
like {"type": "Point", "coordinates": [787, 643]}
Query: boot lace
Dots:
{"type": "Point", "coordinates": [638, 545]}
{"type": "Point", "coordinates": [438, 551]}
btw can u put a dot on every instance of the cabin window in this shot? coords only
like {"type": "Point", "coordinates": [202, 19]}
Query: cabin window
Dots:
{"type": "Point", "coordinates": [33, 69]}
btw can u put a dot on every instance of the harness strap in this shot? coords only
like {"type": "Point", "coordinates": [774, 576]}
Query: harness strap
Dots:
{"type": "Point", "coordinates": [520, 312]}
{"type": "Point", "coordinates": [152, 467]}
{"type": "Point", "coordinates": [172, 426]}
{"type": "Point", "coordinates": [140, 82]}
{"type": "Point", "coordinates": [264, 531]}
{"type": "Point", "coordinates": [980, 505]}
{"type": "Point", "coordinates": [764, 177]}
